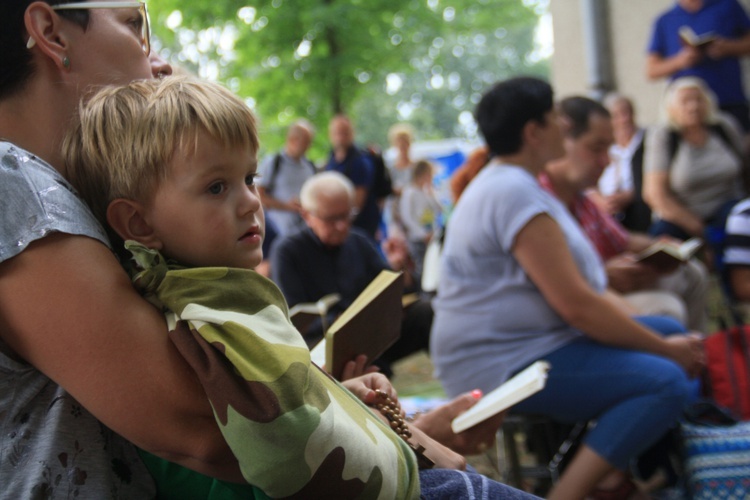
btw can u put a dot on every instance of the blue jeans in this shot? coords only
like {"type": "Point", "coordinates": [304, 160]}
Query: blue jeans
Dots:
{"type": "Point", "coordinates": [635, 397]}
{"type": "Point", "coordinates": [451, 484]}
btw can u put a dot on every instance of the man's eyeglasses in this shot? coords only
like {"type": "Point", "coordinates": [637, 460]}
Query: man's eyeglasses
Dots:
{"type": "Point", "coordinates": [334, 219]}
{"type": "Point", "coordinates": [141, 6]}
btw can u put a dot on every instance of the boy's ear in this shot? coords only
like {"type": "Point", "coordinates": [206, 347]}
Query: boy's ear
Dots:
{"type": "Point", "coordinates": [46, 31]}
{"type": "Point", "coordinates": [126, 218]}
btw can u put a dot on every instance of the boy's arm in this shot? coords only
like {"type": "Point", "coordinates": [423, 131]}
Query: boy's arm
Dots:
{"type": "Point", "coordinates": [69, 309]}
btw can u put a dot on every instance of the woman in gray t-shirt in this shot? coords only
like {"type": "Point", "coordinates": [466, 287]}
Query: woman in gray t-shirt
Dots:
{"type": "Point", "coordinates": [692, 164]}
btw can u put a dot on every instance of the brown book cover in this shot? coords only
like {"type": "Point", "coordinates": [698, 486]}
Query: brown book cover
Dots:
{"type": "Point", "coordinates": [664, 254]}
{"type": "Point", "coordinates": [370, 325]}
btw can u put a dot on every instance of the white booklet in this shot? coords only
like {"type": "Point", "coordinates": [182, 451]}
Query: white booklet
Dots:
{"type": "Point", "coordinates": [525, 383]}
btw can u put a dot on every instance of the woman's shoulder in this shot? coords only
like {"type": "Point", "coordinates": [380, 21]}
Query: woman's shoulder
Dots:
{"type": "Point", "coordinates": [36, 200]}
{"type": "Point", "coordinates": [507, 182]}
{"type": "Point", "coordinates": [502, 190]}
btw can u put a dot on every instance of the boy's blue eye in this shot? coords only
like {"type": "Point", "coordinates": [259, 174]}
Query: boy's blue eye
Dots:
{"type": "Point", "coordinates": [250, 179]}
{"type": "Point", "coordinates": [217, 188]}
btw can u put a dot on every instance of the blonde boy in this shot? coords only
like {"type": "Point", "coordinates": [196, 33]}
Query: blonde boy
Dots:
{"type": "Point", "coordinates": [170, 166]}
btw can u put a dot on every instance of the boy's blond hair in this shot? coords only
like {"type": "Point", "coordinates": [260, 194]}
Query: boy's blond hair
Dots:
{"type": "Point", "coordinates": [126, 136]}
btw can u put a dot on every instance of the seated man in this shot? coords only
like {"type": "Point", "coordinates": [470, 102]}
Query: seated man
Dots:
{"type": "Point", "coordinates": [330, 256]}
{"type": "Point", "coordinates": [680, 293]}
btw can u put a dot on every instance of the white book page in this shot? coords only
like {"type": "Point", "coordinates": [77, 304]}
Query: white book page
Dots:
{"type": "Point", "coordinates": [318, 353]}
{"type": "Point", "coordinates": [518, 388]}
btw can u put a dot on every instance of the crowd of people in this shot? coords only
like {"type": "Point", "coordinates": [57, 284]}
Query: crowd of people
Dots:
{"type": "Point", "coordinates": [149, 260]}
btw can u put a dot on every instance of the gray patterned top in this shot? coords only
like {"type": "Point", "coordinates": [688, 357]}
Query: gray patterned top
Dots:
{"type": "Point", "coordinates": [50, 446]}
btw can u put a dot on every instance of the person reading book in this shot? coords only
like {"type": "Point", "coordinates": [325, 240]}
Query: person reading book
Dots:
{"type": "Point", "coordinates": [520, 282]}
{"type": "Point", "coordinates": [679, 291]}
{"type": "Point", "coordinates": [186, 205]}
{"type": "Point", "coordinates": [673, 53]}
{"type": "Point", "coordinates": [331, 256]}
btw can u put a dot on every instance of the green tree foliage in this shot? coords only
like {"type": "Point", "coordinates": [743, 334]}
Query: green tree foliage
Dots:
{"type": "Point", "coordinates": [381, 61]}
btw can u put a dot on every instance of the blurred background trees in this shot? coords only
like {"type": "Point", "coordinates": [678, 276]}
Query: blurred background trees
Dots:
{"type": "Point", "coordinates": [380, 61]}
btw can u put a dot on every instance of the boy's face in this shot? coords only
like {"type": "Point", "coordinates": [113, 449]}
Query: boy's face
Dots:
{"type": "Point", "coordinates": [207, 212]}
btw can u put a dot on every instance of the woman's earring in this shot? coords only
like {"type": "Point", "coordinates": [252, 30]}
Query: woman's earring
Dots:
{"type": "Point", "coordinates": [66, 62]}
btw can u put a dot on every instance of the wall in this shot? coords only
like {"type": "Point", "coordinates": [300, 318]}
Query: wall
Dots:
{"type": "Point", "coordinates": [630, 29]}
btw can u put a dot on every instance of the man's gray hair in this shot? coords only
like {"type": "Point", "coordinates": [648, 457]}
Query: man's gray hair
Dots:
{"type": "Point", "coordinates": [328, 184]}
{"type": "Point", "coordinates": [301, 126]}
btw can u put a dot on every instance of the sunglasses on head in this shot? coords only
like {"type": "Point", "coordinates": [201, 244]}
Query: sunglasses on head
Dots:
{"type": "Point", "coordinates": [141, 6]}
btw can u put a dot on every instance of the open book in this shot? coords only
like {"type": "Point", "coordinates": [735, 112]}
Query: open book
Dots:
{"type": "Point", "coordinates": [370, 325]}
{"type": "Point", "coordinates": [669, 254]}
{"type": "Point", "coordinates": [303, 314]}
{"type": "Point", "coordinates": [525, 383]}
{"type": "Point", "coordinates": [689, 37]}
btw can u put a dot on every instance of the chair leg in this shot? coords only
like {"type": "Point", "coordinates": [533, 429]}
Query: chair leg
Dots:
{"type": "Point", "coordinates": [508, 460]}
{"type": "Point", "coordinates": [562, 454]}
{"type": "Point", "coordinates": [551, 443]}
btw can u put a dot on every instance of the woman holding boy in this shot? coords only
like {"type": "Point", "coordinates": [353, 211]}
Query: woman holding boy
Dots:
{"type": "Point", "coordinates": [83, 358]}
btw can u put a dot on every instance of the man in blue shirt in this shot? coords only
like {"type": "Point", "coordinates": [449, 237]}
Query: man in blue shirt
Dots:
{"type": "Point", "coordinates": [717, 62]}
{"type": "Point", "coordinates": [347, 159]}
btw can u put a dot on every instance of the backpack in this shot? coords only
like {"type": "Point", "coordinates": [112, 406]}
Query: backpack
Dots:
{"type": "Point", "coordinates": [275, 171]}
{"type": "Point", "coordinates": [727, 374]}
{"type": "Point", "coordinates": [382, 185]}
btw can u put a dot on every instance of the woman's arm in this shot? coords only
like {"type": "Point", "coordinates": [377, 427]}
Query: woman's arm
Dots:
{"type": "Point", "coordinates": [69, 309]}
{"type": "Point", "coordinates": [541, 249]}
{"type": "Point", "coordinates": [658, 195]}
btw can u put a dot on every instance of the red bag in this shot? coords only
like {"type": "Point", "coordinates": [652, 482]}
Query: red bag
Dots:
{"type": "Point", "coordinates": [727, 376]}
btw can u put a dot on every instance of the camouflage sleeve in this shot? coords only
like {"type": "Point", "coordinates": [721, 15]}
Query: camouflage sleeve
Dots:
{"type": "Point", "coordinates": [294, 430]}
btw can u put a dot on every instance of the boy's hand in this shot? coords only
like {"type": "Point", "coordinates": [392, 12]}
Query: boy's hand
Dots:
{"type": "Point", "coordinates": [364, 387]}
{"type": "Point", "coordinates": [357, 367]}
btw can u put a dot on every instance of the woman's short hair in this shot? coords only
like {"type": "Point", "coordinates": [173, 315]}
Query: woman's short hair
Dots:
{"type": "Point", "coordinates": [15, 59]}
{"type": "Point", "coordinates": [507, 107]}
{"type": "Point", "coordinates": [579, 110]}
{"type": "Point", "coordinates": [613, 98]}
{"type": "Point", "coordinates": [325, 184]}
{"type": "Point", "coordinates": [688, 82]}
{"type": "Point", "coordinates": [126, 136]}
{"type": "Point", "coordinates": [400, 130]}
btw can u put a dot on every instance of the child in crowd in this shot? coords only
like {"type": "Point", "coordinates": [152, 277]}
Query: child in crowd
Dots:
{"type": "Point", "coordinates": [419, 211]}
{"type": "Point", "coordinates": [169, 165]}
